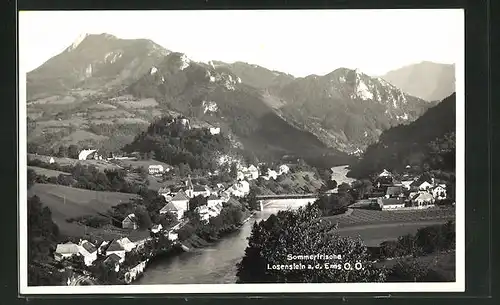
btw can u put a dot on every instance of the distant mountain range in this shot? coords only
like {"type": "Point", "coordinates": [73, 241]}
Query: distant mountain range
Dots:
{"type": "Point", "coordinates": [102, 90]}
{"type": "Point", "coordinates": [426, 80]}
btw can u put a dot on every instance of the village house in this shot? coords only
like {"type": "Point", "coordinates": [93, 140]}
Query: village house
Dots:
{"type": "Point", "coordinates": [115, 248]}
{"type": "Point", "coordinates": [233, 202]}
{"type": "Point", "coordinates": [130, 222]}
{"type": "Point", "coordinates": [172, 209]}
{"type": "Point", "coordinates": [406, 184]}
{"type": "Point", "coordinates": [156, 228]}
{"type": "Point", "coordinates": [239, 189]}
{"type": "Point", "coordinates": [88, 251]}
{"type": "Point", "coordinates": [214, 131]}
{"type": "Point", "coordinates": [196, 190]}
{"type": "Point", "coordinates": [203, 212]}
{"type": "Point", "coordinates": [385, 173]}
{"type": "Point", "coordinates": [180, 202]}
{"type": "Point", "coordinates": [390, 203]}
{"type": "Point", "coordinates": [424, 186]}
{"type": "Point", "coordinates": [172, 235]}
{"type": "Point", "coordinates": [87, 154]}
{"type": "Point", "coordinates": [51, 160]}
{"type": "Point", "coordinates": [215, 210]}
{"type": "Point", "coordinates": [394, 192]}
{"type": "Point", "coordinates": [113, 261]}
{"type": "Point", "coordinates": [439, 192]}
{"type": "Point", "coordinates": [271, 174]}
{"type": "Point", "coordinates": [284, 169]}
{"type": "Point", "coordinates": [422, 200]}
{"type": "Point", "coordinates": [213, 200]}
{"type": "Point", "coordinates": [67, 250]}
{"type": "Point", "coordinates": [155, 169]}
{"type": "Point", "coordinates": [102, 248]}
{"type": "Point", "coordinates": [126, 244]}
{"type": "Point", "coordinates": [252, 172]}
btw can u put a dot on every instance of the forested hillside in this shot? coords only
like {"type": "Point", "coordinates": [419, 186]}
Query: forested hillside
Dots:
{"type": "Point", "coordinates": [427, 143]}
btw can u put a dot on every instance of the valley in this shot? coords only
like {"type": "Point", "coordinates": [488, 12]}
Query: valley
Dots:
{"type": "Point", "coordinates": [158, 161]}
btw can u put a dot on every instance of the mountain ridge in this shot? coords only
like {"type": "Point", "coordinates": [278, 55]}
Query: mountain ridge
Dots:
{"type": "Point", "coordinates": [428, 80]}
{"type": "Point", "coordinates": [132, 82]}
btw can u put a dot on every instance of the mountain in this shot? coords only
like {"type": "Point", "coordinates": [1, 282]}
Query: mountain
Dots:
{"type": "Point", "coordinates": [214, 94]}
{"type": "Point", "coordinates": [346, 108]}
{"type": "Point", "coordinates": [94, 61]}
{"type": "Point", "coordinates": [426, 80]}
{"type": "Point", "coordinates": [427, 142]}
{"type": "Point", "coordinates": [257, 76]}
{"type": "Point", "coordinates": [131, 83]}
{"type": "Point", "coordinates": [102, 91]}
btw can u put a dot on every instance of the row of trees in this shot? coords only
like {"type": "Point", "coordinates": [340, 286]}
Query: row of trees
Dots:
{"type": "Point", "coordinates": [302, 232]}
{"type": "Point", "coordinates": [87, 177]}
{"type": "Point", "coordinates": [174, 143]}
{"type": "Point", "coordinates": [427, 240]}
{"type": "Point", "coordinates": [43, 235]}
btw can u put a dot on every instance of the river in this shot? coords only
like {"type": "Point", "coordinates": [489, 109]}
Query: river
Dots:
{"type": "Point", "coordinates": [216, 264]}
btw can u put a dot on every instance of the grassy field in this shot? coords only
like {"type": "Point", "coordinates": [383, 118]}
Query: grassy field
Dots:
{"type": "Point", "coordinates": [67, 202]}
{"type": "Point", "coordinates": [47, 172]}
{"type": "Point", "coordinates": [442, 262]}
{"type": "Point", "coordinates": [374, 227]}
{"type": "Point", "coordinates": [373, 235]}
{"type": "Point", "coordinates": [100, 164]}
{"type": "Point", "coordinates": [364, 217]}
{"type": "Point", "coordinates": [339, 174]}
{"type": "Point", "coordinates": [140, 163]}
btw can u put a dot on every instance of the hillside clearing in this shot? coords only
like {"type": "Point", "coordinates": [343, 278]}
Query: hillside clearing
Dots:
{"type": "Point", "coordinates": [47, 172]}
{"type": "Point", "coordinates": [100, 164]}
{"type": "Point", "coordinates": [67, 202]}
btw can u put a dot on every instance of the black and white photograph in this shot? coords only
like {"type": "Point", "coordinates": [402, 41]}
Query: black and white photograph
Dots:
{"type": "Point", "coordinates": [264, 151]}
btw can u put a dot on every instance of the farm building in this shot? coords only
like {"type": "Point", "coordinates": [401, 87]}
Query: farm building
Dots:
{"type": "Point", "coordinates": [385, 173]}
{"type": "Point", "coordinates": [422, 199]}
{"type": "Point", "coordinates": [114, 261]}
{"type": "Point", "coordinates": [156, 228]}
{"type": "Point", "coordinates": [67, 250]}
{"type": "Point", "coordinates": [126, 244]}
{"type": "Point", "coordinates": [439, 192]}
{"type": "Point", "coordinates": [284, 169]}
{"type": "Point", "coordinates": [51, 160]}
{"type": "Point", "coordinates": [213, 200]}
{"type": "Point", "coordinates": [155, 169]}
{"type": "Point", "coordinates": [117, 249]}
{"type": "Point", "coordinates": [130, 222]}
{"type": "Point", "coordinates": [87, 154]}
{"type": "Point", "coordinates": [390, 203]}
{"type": "Point", "coordinates": [88, 251]}
{"type": "Point", "coordinates": [214, 131]}
{"type": "Point", "coordinates": [394, 192]}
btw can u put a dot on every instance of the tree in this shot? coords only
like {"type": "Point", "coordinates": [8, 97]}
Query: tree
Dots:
{"type": "Point", "coordinates": [31, 177]}
{"type": "Point", "coordinates": [331, 184]}
{"type": "Point", "coordinates": [233, 172]}
{"type": "Point", "coordinates": [302, 232]}
{"type": "Point", "coordinates": [73, 151]}
{"type": "Point", "coordinates": [143, 219]}
{"type": "Point", "coordinates": [344, 187]}
{"type": "Point", "coordinates": [408, 271]}
{"type": "Point", "coordinates": [63, 151]}
{"type": "Point", "coordinates": [325, 175]}
{"type": "Point", "coordinates": [197, 201]}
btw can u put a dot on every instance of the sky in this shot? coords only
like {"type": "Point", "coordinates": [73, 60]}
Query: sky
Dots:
{"type": "Point", "coordinates": [299, 42]}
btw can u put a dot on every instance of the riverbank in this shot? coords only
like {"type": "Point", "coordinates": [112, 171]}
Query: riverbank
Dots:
{"type": "Point", "coordinates": [189, 245]}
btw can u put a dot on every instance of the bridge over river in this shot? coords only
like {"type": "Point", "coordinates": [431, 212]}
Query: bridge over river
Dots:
{"type": "Point", "coordinates": [216, 264]}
